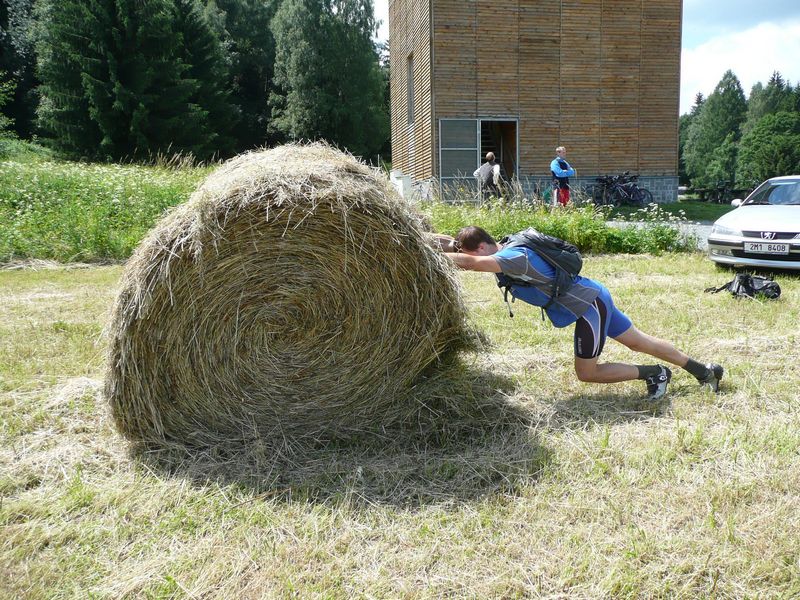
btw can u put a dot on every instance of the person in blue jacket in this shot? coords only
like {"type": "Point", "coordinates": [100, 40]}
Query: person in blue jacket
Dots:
{"type": "Point", "coordinates": [588, 304]}
{"type": "Point", "coordinates": [561, 171]}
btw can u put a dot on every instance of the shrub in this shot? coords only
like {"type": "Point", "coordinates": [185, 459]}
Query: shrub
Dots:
{"type": "Point", "coordinates": [68, 211]}
{"type": "Point", "coordinates": [652, 230]}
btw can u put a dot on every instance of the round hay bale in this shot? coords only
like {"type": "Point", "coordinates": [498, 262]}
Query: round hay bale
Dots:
{"type": "Point", "coordinates": [293, 293]}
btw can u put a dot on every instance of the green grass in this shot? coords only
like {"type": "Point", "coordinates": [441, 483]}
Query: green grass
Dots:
{"type": "Point", "coordinates": [584, 226]}
{"type": "Point", "coordinates": [691, 210]}
{"type": "Point", "coordinates": [553, 488]}
{"type": "Point", "coordinates": [65, 211]}
{"type": "Point", "coordinates": [84, 212]}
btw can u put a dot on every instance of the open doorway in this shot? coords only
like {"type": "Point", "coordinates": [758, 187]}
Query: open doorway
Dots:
{"type": "Point", "coordinates": [463, 144]}
{"type": "Point", "coordinates": [500, 137]}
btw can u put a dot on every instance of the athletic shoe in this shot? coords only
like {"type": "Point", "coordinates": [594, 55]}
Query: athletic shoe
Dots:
{"type": "Point", "coordinates": [657, 384]}
{"type": "Point", "coordinates": [711, 380]}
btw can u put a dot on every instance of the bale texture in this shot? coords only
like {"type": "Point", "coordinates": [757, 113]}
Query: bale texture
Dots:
{"type": "Point", "coordinates": [294, 293]}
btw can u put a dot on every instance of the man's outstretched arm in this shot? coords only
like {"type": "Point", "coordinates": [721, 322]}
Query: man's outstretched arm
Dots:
{"type": "Point", "coordinates": [485, 264]}
{"type": "Point", "coordinates": [441, 242]}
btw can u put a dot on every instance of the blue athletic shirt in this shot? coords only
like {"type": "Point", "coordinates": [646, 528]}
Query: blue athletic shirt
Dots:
{"type": "Point", "coordinates": [525, 264]}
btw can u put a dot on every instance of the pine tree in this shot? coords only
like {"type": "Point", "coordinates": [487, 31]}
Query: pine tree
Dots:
{"type": "Point", "coordinates": [64, 108]}
{"type": "Point", "coordinates": [131, 78]}
{"type": "Point", "coordinates": [201, 51]}
{"type": "Point", "coordinates": [17, 59]}
{"type": "Point", "coordinates": [721, 116]}
{"type": "Point", "coordinates": [684, 123]}
{"type": "Point", "coordinates": [766, 100]}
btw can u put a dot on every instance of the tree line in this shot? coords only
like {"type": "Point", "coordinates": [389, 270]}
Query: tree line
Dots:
{"type": "Point", "coordinates": [727, 139]}
{"type": "Point", "coordinates": [131, 79]}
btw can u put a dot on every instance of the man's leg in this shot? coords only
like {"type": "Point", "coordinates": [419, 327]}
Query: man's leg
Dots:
{"type": "Point", "coordinates": [563, 196]}
{"type": "Point", "coordinates": [656, 377]}
{"type": "Point", "coordinates": [592, 371]}
{"type": "Point", "coordinates": [604, 318]}
{"type": "Point", "coordinates": [591, 331]}
{"type": "Point", "coordinates": [639, 341]}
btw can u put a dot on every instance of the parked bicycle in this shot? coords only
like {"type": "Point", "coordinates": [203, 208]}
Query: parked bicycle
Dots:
{"type": "Point", "coordinates": [618, 190]}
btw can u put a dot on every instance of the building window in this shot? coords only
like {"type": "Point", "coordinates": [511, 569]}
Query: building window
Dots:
{"type": "Point", "coordinates": [459, 146]}
{"type": "Point", "coordinates": [410, 87]}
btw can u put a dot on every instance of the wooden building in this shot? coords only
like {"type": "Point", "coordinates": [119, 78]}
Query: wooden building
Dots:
{"type": "Point", "coordinates": [520, 77]}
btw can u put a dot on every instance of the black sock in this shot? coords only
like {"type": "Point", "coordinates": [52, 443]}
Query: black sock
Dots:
{"type": "Point", "coordinates": [696, 369]}
{"type": "Point", "coordinates": [646, 371]}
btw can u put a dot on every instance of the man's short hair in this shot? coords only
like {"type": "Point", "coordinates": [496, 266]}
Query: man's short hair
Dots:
{"type": "Point", "coordinates": [490, 156]}
{"type": "Point", "coordinates": [560, 149]}
{"type": "Point", "coordinates": [471, 236]}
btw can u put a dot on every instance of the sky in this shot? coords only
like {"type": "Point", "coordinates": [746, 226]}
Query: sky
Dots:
{"type": "Point", "coordinates": [752, 38]}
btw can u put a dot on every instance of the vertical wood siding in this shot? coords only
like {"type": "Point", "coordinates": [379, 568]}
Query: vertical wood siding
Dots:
{"type": "Point", "coordinates": [412, 143]}
{"type": "Point", "coordinates": [598, 76]}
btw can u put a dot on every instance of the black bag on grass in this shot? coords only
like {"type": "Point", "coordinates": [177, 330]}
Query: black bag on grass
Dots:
{"type": "Point", "coordinates": [745, 285]}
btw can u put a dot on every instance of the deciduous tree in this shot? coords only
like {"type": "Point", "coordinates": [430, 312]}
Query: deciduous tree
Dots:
{"type": "Point", "coordinates": [328, 81]}
{"type": "Point", "coordinates": [770, 148]}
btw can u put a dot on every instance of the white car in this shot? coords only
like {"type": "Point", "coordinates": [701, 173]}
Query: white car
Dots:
{"type": "Point", "coordinates": [764, 229]}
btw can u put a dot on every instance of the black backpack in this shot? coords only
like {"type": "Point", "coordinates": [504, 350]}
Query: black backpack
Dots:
{"type": "Point", "coordinates": [563, 256]}
{"type": "Point", "coordinates": [744, 285]}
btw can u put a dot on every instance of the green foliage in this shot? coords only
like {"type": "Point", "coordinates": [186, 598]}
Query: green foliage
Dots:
{"type": "Point", "coordinates": [655, 231]}
{"type": "Point", "coordinates": [17, 59]}
{"type": "Point", "coordinates": [6, 92]}
{"type": "Point", "coordinates": [684, 124]}
{"type": "Point", "coordinates": [244, 28]}
{"type": "Point", "coordinates": [770, 148]}
{"type": "Point", "coordinates": [721, 116]}
{"type": "Point", "coordinates": [128, 78]}
{"type": "Point", "coordinates": [721, 162]}
{"type": "Point", "coordinates": [82, 212]}
{"type": "Point", "coordinates": [385, 66]}
{"type": "Point", "coordinates": [775, 97]}
{"type": "Point", "coordinates": [328, 80]}
{"type": "Point", "coordinates": [684, 209]}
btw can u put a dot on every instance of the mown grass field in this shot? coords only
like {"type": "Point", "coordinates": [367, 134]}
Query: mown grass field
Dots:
{"type": "Point", "coordinates": [551, 488]}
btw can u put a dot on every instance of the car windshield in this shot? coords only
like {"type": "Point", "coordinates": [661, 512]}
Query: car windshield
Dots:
{"type": "Point", "coordinates": [776, 192]}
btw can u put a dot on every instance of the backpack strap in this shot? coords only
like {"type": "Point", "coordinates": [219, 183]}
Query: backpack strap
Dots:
{"type": "Point", "coordinates": [506, 289]}
{"type": "Point", "coordinates": [723, 287]}
{"type": "Point", "coordinates": [505, 282]}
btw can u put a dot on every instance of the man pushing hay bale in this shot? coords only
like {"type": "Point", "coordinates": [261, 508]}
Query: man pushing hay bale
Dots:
{"type": "Point", "coordinates": [294, 293]}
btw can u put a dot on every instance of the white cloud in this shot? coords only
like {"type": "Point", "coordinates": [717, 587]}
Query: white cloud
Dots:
{"type": "Point", "coordinates": [381, 8]}
{"type": "Point", "coordinates": [752, 54]}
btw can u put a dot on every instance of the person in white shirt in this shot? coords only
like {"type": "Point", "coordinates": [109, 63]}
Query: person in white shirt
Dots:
{"type": "Point", "coordinates": [488, 176]}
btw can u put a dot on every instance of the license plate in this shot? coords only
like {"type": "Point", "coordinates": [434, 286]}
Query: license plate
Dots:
{"type": "Point", "coordinates": [766, 248]}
